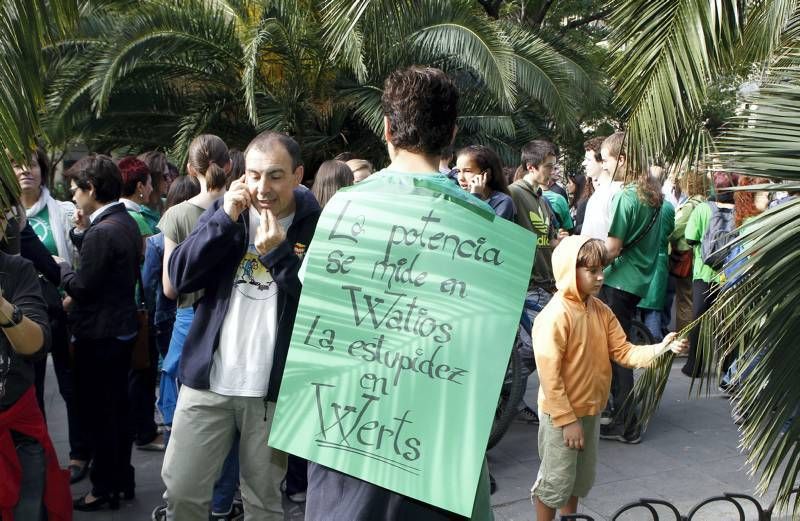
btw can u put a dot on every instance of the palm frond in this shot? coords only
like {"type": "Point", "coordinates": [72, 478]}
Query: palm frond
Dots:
{"type": "Point", "coordinates": [667, 52]}
{"type": "Point", "coordinates": [26, 27]}
{"type": "Point", "coordinates": [765, 29]}
{"type": "Point", "coordinates": [455, 32]}
{"type": "Point", "coordinates": [762, 141]}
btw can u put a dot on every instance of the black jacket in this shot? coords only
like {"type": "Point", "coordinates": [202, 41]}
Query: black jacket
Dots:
{"type": "Point", "coordinates": [103, 287]}
{"type": "Point", "coordinates": [208, 260]}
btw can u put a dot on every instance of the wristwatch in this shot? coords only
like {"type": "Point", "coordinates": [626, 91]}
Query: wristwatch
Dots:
{"type": "Point", "coordinates": [16, 318]}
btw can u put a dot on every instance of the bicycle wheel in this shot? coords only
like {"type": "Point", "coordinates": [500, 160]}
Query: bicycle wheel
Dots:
{"type": "Point", "coordinates": [510, 395]}
{"type": "Point", "coordinates": [640, 335]}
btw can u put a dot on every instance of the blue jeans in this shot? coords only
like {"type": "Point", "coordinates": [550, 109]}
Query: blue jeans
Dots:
{"type": "Point", "coordinates": [168, 388]}
{"type": "Point", "coordinates": [228, 481]}
{"type": "Point", "coordinates": [653, 323]}
{"type": "Point", "coordinates": [32, 459]}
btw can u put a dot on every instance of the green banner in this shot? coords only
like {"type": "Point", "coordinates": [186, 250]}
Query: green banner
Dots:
{"type": "Point", "coordinates": [411, 300]}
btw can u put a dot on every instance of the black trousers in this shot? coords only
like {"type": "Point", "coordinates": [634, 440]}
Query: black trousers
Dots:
{"type": "Point", "coordinates": [101, 376]}
{"type": "Point", "coordinates": [623, 304]}
{"type": "Point", "coordinates": [703, 297]}
{"type": "Point", "coordinates": [142, 396]}
{"type": "Point", "coordinates": [79, 447]}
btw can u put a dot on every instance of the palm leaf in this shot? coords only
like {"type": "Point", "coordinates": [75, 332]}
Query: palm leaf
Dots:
{"type": "Point", "coordinates": [667, 52]}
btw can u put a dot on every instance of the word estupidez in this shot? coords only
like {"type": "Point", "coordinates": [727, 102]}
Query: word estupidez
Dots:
{"type": "Point", "coordinates": [386, 351]}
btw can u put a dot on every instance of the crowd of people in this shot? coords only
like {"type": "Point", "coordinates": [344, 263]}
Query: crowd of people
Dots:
{"type": "Point", "coordinates": [168, 301]}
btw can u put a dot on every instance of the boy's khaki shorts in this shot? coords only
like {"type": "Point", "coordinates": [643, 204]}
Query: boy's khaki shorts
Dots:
{"type": "Point", "coordinates": [565, 472]}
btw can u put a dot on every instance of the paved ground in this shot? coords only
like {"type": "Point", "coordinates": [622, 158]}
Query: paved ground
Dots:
{"type": "Point", "coordinates": [688, 454]}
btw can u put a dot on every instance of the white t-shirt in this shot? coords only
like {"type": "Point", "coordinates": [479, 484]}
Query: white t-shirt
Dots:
{"type": "Point", "coordinates": [597, 219]}
{"type": "Point", "coordinates": [243, 360]}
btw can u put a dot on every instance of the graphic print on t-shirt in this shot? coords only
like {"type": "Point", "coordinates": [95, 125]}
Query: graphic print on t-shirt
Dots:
{"type": "Point", "coordinates": [253, 279]}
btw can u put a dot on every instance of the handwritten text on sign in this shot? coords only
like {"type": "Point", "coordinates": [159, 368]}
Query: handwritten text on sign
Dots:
{"type": "Point", "coordinates": [408, 312]}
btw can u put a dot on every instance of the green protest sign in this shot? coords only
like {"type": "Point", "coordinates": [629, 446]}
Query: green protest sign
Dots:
{"type": "Point", "coordinates": [411, 300]}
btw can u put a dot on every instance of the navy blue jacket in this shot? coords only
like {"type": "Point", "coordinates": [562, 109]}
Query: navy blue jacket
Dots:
{"type": "Point", "coordinates": [208, 260]}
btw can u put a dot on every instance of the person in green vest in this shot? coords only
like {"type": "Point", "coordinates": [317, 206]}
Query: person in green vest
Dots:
{"type": "Point", "coordinates": [694, 186]}
{"type": "Point", "coordinates": [705, 280]}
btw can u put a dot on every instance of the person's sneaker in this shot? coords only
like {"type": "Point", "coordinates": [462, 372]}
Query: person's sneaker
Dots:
{"type": "Point", "coordinates": [618, 433]}
{"type": "Point", "coordinates": [236, 512]}
{"type": "Point", "coordinates": [527, 415]}
{"type": "Point", "coordinates": [297, 497]}
{"type": "Point", "coordinates": [159, 513]}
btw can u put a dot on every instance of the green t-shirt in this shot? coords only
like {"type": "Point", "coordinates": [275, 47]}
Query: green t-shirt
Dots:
{"type": "Point", "coordinates": [633, 270]}
{"type": "Point", "coordinates": [42, 228]}
{"type": "Point", "coordinates": [696, 227]}
{"type": "Point", "coordinates": [561, 208]}
{"type": "Point", "coordinates": [657, 290]}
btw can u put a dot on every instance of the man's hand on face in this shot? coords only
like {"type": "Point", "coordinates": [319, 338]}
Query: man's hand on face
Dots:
{"type": "Point", "coordinates": [269, 233]}
{"type": "Point", "coordinates": [237, 199]}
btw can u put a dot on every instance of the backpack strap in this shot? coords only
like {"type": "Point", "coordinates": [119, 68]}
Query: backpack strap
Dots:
{"type": "Point", "coordinates": [646, 231]}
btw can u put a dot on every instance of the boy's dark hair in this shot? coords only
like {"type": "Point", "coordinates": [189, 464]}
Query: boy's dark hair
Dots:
{"type": "Point", "coordinates": [100, 172]}
{"type": "Point", "coordinates": [488, 161]}
{"type": "Point", "coordinates": [263, 141]}
{"type": "Point", "coordinates": [594, 144]}
{"type": "Point", "coordinates": [534, 153]}
{"type": "Point", "coordinates": [133, 172]}
{"type": "Point", "coordinates": [421, 104]}
{"type": "Point", "coordinates": [593, 253]}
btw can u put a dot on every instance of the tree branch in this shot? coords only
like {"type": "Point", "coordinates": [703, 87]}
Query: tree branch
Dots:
{"type": "Point", "coordinates": [586, 19]}
{"type": "Point", "coordinates": [539, 19]}
{"type": "Point", "coordinates": [492, 7]}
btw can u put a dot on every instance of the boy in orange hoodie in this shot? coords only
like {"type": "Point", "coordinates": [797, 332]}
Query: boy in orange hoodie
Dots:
{"type": "Point", "coordinates": [575, 337]}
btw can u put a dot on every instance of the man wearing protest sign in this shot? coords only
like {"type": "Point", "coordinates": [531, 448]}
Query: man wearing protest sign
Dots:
{"type": "Point", "coordinates": [396, 383]}
{"type": "Point", "coordinates": [244, 253]}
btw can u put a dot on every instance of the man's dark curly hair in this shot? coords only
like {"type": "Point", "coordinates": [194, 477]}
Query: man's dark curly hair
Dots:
{"type": "Point", "coordinates": [420, 103]}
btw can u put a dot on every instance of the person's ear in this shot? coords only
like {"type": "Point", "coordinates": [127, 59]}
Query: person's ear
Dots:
{"type": "Point", "coordinates": [387, 132]}
{"type": "Point", "coordinates": [622, 160]}
{"type": "Point", "coordinates": [298, 175]}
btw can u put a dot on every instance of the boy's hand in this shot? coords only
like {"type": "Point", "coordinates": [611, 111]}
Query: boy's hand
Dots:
{"type": "Point", "coordinates": [573, 435]}
{"type": "Point", "coordinates": [671, 344]}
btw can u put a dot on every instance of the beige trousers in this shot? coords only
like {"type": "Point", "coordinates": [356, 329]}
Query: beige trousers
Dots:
{"type": "Point", "coordinates": [203, 429]}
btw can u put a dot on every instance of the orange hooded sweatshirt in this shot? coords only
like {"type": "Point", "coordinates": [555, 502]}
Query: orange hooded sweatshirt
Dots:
{"type": "Point", "coordinates": [573, 343]}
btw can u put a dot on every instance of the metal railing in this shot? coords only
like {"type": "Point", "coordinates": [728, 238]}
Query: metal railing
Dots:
{"type": "Point", "coordinates": [738, 503]}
